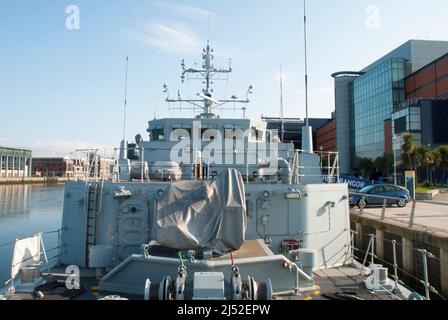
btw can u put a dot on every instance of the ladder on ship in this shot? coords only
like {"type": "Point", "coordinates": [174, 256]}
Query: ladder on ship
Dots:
{"type": "Point", "coordinates": [91, 209]}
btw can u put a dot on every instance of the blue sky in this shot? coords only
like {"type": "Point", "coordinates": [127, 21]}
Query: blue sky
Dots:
{"type": "Point", "coordinates": [63, 89]}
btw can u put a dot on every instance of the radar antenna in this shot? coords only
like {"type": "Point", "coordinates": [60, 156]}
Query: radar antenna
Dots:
{"type": "Point", "coordinates": [209, 73]}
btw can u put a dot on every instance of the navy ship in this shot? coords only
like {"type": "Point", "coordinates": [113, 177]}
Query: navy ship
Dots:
{"type": "Point", "coordinates": [205, 208]}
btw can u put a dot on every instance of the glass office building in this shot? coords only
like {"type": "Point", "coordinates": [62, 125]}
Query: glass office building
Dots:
{"type": "Point", "coordinates": [376, 95]}
{"type": "Point", "coordinates": [365, 99]}
{"type": "Point", "coordinates": [426, 119]}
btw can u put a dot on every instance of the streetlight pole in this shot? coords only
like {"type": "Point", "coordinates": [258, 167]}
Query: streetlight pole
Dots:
{"type": "Point", "coordinates": [428, 170]}
{"type": "Point", "coordinates": [394, 139]}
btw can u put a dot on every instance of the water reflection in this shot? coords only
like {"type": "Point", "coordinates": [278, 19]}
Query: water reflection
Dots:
{"type": "Point", "coordinates": [14, 200]}
{"type": "Point", "coordinates": [26, 210]}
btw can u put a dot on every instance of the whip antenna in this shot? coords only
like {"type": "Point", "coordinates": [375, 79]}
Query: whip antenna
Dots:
{"type": "Point", "coordinates": [126, 81]}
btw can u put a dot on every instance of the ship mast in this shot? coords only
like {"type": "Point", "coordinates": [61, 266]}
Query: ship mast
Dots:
{"type": "Point", "coordinates": [282, 115]}
{"type": "Point", "coordinates": [307, 131]}
{"type": "Point", "coordinates": [208, 74]}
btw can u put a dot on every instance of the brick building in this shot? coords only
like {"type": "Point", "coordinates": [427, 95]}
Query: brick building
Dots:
{"type": "Point", "coordinates": [326, 137]}
{"type": "Point", "coordinates": [430, 82]}
{"type": "Point", "coordinates": [53, 166]}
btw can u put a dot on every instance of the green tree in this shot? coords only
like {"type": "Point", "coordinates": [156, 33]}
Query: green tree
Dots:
{"type": "Point", "coordinates": [443, 161]}
{"type": "Point", "coordinates": [365, 165]}
{"type": "Point", "coordinates": [408, 148]}
{"type": "Point", "coordinates": [421, 157]}
{"type": "Point", "coordinates": [384, 163]}
{"type": "Point", "coordinates": [435, 158]}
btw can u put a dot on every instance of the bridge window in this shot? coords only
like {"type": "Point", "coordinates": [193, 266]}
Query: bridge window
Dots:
{"type": "Point", "coordinates": [158, 134]}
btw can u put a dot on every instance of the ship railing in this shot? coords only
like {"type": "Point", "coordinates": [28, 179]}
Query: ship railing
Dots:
{"type": "Point", "coordinates": [50, 256]}
{"type": "Point", "coordinates": [93, 165]}
{"type": "Point", "coordinates": [369, 254]}
{"type": "Point", "coordinates": [408, 218]}
{"type": "Point", "coordinates": [327, 166]}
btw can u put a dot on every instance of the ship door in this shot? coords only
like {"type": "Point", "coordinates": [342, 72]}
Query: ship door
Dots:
{"type": "Point", "coordinates": [132, 227]}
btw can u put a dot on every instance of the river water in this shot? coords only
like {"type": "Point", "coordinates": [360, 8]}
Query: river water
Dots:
{"type": "Point", "coordinates": [26, 210]}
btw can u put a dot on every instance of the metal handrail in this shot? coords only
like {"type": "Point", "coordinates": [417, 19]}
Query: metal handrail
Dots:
{"type": "Point", "coordinates": [425, 256]}
{"type": "Point", "coordinates": [43, 233]}
{"type": "Point", "coordinates": [46, 251]}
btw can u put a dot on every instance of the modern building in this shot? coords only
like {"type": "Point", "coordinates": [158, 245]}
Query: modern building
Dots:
{"type": "Point", "coordinates": [292, 129]}
{"type": "Point", "coordinates": [366, 99]}
{"type": "Point", "coordinates": [425, 111]}
{"type": "Point", "coordinates": [15, 163]}
{"type": "Point", "coordinates": [326, 137]}
{"type": "Point", "coordinates": [426, 119]}
{"type": "Point", "coordinates": [343, 82]}
{"type": "Point", "coordinates": [430, 82]}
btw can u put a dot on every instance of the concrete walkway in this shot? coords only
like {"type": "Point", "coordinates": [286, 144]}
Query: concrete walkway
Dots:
{"type": "Point", "coordinates": [433, 217]}
{"type": "Point", "coordinates": [441, 197]}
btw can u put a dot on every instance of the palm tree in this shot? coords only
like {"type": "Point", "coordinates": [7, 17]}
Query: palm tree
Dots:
{"type": "Point", "coordinates": [435, 158]}
{"type": "Point", "coordinates": [421, 157]}
{"type": "Point", "coordinates": [443, 161]}
{"type": "Point", "coordinates": [408, 148]}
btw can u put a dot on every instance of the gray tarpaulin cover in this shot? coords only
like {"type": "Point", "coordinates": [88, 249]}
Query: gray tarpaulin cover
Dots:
{"type": "Point", "coordinates": [196, 215]}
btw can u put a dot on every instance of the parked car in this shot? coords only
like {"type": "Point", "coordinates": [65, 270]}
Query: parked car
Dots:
{"type": "Point", "coordinates": [362, 199]}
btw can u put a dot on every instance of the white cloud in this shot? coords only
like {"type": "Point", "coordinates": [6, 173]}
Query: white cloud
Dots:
{"type": "Point", "coordinates": [185, 10]}
{"type": "Point", "coordinates": [173, 37]}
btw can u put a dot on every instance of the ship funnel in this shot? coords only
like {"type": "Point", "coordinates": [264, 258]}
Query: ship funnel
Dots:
{"type": "Point", "coordinates": [123, 150]}
{"type": "Point", "coordinates": [307, 139]}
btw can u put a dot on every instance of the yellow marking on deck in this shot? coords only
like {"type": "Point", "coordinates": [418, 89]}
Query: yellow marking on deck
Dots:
{"type": "Point", "coordinates": [316, 293]}
{"type": "Point", "coordinates": [95, 292]}
{"type": "Point", "coordinates": [308, 298]}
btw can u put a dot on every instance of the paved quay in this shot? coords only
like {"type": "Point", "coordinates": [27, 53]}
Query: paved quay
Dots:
{"type": "Point", "coordinates": [430, 215]}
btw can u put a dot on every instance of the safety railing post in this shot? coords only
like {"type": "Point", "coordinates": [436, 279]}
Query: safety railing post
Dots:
{"type": "Point", "coordinates": [59, 244]}
{"type": "Point", "coordinates": [383, 212]}
{"type": "Point", "coordinates": [412, 218]}
{"type": "Point", "coordinates": [367, 252]}
{"type": "Point", "coordinates": [352, 243]}
{"type": "Point", "coordinates": [362, 205]}
{"type": "Point", "coordinates": [425, 272]}
{"type": "Point", "coordinates": [372, 255]}
{"type": "Point", "coordinates": [142, 164]}
{"type": "Point", "coordinates": [394, 253]}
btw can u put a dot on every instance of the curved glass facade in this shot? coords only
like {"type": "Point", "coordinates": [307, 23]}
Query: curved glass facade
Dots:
{"type": "Point", "coordinates": [375, 95]}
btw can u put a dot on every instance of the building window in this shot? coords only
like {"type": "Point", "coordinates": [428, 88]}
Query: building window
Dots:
{"type": "Point", "coordinates": [400, 125]}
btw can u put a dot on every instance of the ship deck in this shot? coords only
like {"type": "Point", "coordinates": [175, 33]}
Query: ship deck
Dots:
{"type": "Point", "coordinates": [342, 283]}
